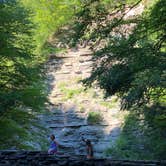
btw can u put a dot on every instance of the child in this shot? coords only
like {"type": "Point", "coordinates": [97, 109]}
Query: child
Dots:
{"type": "Point", "coordinates": [53, 146]}
{"type": "Point", "coordinates": [89, 148]}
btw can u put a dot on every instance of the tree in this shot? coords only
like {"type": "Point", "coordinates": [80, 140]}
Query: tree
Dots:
{"type": "Point", "coordinates": [19, 70]}
{"type": "Point", "coordinates": [129, 61]}
{"type": "Point", "coordinates": [49, 17]}
{"type": "Point", "coordinates": [129, 52]}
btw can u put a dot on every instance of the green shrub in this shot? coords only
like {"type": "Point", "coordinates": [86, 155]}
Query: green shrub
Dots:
{"type": "Point", "coordinates": [124, 148]}
{"type": "Point", "coordinates": [82, 109]}
{"type": "Point", "coordinates": [17, 128]}
{"type": "Point", "coordinates": [94, 117]}
{"type": "Point", "coordinates": [137, 141]}
{"type": "Point", "coordinates": [69, 92]}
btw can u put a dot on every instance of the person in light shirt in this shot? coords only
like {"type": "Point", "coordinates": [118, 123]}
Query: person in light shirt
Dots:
{"type": "Point", "coordinates": [53, 145]}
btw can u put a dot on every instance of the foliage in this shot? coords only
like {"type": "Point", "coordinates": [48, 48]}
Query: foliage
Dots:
{"type": "Point", "coordinates": [130, 144]}
{"type": "Point", "coordinates": [129, 60]}
{"type": "Point", "coordinates": [19, 74]}
{"type": "Point", "coordinates": [69, 92]}
{"type": "Point", "coordinates": [17, 128]}
{"type": "Point", "coordinates": [49, 17]}
{"type": "Point", "coordinates": [128, 63]}
{"type": "Point", "coordinates": [94, 117]}
{"type": "Point", "coordinates": [21, 85]}
{"type": "Point", "coordinates": [138, 140]}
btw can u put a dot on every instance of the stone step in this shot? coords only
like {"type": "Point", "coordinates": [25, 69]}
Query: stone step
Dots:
{"type": "Point", "coordinates": [68, 64]}
{"type": "Point", "coordinates": [39, 158]}
{"type": "Point", "coordinates": [86, 54]}
{"type": "Point", "coordinates": [73, 126]}
{"type": "Point", "coordinates": [58, 116]}
{"type": "Point", "coordinates": [85, 68]}
{"type": "Point", "coordinates": [63, 72]}
{"type": "Point", "coordinates": [87, 63]}
{"type": "Point", "coordinates": [87, 60]}
{"type": "Point", "coordinates": [78, 72]}
{"type": "Point", "coordinates": [66, 77]}
{"type": "Point", "coordinates": [66, 121]}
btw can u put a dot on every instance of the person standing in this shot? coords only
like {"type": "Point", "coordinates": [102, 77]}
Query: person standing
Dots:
{"type": "Point", "coordinates": [53, 145]}
{"type": "Point", "coordinates": [89, 148]}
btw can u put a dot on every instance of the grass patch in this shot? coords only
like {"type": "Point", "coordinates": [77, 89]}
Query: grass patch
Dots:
{"type": "Point", "coordinates": [81, 109]}
{"type": "Point", "coordinates": [108, 104]}
{"type": "Point", "coordinates": [69, 92]}
{"type": "Point", "coordinates": [94, 117]}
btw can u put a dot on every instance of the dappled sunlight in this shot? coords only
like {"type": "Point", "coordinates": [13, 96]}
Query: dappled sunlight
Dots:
{"type": "Point", "coordinates": [76, 112]}
{"type": "Point", "coordinates": [83, 69]}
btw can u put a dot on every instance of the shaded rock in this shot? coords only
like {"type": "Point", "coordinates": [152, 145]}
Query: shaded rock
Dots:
{"type": "Point", "coordinates": [38, 158]}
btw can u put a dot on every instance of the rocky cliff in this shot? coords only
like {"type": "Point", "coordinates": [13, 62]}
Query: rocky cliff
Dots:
{"type": "Point", "coordinates": [71, 106]}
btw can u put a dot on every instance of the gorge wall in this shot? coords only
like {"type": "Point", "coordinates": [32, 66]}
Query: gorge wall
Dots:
{"type": "Point", "coordinates": [70, 106]}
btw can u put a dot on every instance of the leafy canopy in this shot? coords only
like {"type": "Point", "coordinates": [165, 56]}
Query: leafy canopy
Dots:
{"type": "Point", "coordinates": [19, 67]}
{"type": "Point", "coordinates": [129, 50]}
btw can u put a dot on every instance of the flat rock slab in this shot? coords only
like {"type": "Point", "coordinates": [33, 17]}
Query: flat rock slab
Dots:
{"type": "Point", "coordinates": [39, 158]}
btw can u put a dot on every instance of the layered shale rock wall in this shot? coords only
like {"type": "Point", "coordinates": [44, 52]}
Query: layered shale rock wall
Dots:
{"type": "Point", "coordinates": [70, 105]}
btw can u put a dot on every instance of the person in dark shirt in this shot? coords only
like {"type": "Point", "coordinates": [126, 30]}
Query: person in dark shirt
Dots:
{"type": "Point", "coordinates": [89, 148]}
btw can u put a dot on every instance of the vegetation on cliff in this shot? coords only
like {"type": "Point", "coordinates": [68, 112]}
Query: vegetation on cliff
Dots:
{"type": "Point", "coordinates": [129, 61]}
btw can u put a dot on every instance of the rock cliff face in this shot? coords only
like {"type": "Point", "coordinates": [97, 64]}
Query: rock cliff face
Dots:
{"type": "Point", "coordinates": [38, 158]}
{"type": "Point", "coordinates": [70, 106]}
